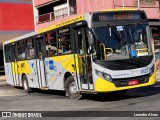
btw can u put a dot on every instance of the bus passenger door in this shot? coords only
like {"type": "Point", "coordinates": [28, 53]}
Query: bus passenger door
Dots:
{"type": "Point", "coordinates": [14, 65]}
{"type": "Point", "coordinates": [83, 60]}
{"type": "Point", "coordinates": [40, 48]}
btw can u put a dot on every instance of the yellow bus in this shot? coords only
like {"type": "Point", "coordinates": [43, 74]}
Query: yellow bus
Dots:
{"type": "Point", "coordinates": [98, 52]}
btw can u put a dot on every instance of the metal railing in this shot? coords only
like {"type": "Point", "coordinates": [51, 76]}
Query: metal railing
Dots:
{"type": "Point", "coordinates": [55, 15]}
{"type": "Point", "coordinates": [45, 18]}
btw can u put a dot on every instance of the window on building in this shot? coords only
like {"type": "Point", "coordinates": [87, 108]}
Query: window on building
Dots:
{"type": "Point", "coordinates": [73, 7]}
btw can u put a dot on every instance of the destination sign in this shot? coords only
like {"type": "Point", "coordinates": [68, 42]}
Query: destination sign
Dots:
{"type": "Point", "coordinates": [120, 15]}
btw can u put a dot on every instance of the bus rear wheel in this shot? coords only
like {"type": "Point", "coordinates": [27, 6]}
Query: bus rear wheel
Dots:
{"type": "Point", "coordinates": [71, 89]}
{"type": "Point", "coordinates": [25, 84]}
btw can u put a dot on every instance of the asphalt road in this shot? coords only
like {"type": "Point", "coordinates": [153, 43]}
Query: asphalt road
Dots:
{"type": "Point", "coordinates": [141, 99]}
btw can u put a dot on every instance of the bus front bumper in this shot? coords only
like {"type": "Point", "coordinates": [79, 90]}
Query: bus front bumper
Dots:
{"type": "Point", "coordinates": [102, 85]}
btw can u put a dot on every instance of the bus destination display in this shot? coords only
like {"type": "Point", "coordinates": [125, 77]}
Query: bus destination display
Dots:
{"type": "Point", "coordinates": [108, 16]}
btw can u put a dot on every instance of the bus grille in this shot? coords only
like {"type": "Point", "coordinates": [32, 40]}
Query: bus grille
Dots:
{"type": "Point", "coordinates": [126, 64]}
{"type": "Point", "coordinates": [124, 81]}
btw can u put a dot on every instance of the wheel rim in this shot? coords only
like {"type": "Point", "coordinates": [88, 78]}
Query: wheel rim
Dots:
{"type": "Point", "coordinates": [73, 88]}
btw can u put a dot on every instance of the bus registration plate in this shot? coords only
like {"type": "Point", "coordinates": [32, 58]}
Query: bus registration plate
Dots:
{"type": "Point", "coordinates": [133, 82]}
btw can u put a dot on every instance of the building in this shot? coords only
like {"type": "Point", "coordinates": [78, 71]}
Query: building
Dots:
{"type": "Point", "coordinates": [48, 12]}
{"type": "Point", "coordinates": [16, 19]}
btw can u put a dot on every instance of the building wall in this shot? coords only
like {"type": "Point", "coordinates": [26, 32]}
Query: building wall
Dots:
{"type": "Point", "coordinates": [84, 6]}
{"type": "Point", "coordinates": [41, 2]}
{"type": "Point", "coordinates": [16, 19]}
{"type": "Point", "coordinates": [152, 10]}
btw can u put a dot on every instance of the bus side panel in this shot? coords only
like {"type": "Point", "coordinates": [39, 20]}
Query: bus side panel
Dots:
{"type": "Point", "coordinates": [54, 76]}
{"type": "Point", "coordinates": [56, 67]}
{"type": "Point", "coordinates": [28, 68]}
{"type": "Point", "coordinates": [33, 76]}
{"type": "Point", "coordinates": [8, 74]}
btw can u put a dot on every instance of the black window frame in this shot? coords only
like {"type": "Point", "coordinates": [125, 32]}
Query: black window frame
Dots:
{"type": "Point", "coordinates": [65, 39]}
{"type": "Point", "coordinates": [48, 42]}
{"type": "Point", "coordinates": [26, 41]}
{"type": "Point", "coordinates": [9, 59]}
{"type": "Point", "coordinates": [21, 50]}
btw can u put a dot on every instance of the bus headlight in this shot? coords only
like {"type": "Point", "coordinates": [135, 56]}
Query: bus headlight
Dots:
{"type": "Point", "coordinates": [103, 75]}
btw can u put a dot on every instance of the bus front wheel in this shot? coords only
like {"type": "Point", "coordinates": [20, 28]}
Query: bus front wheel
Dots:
{"type": "Point", "coordinates": [25, 84]}
{"type": "Point", "coordinates": [71, 89]}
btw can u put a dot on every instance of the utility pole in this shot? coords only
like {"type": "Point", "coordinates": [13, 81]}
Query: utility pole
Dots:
{"type": "Point", "coordinates": [138, 4]}
{"type": "Point", "coordinates": [123, 3]}
{"type": "Point", "coordinates": [159, 4]}
{"type": "Point", "coordinates": [68, 5]}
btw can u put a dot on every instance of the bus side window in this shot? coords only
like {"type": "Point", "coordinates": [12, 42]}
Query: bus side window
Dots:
{"type": "Point", "coordinates": [7, 53]}
{"type": "Point", "coordinates": [80, 42]}
{"type": "Point", "coordinates": [83, 44]}
{"type": "Point", "coordinates": [21, 50]}
{"type": "Point", "coordinates": [51, 44]}
{"type": "Point", "coordinates": [64, 41]}
{"type": "Point", "coordinates": [30, 52]}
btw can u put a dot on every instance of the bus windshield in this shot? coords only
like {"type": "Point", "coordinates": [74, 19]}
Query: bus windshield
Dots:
{"type": "Point", "coordinates": [121, 41]}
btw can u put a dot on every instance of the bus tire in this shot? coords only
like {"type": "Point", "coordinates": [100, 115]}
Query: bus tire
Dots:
{"type": "Point", "coordinates": [71, 89]}
{"type": "Point", "coordinates": [25, 84]}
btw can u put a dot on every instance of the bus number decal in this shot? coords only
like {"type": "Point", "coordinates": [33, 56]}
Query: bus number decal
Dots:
{"type": "Point", "coordinates": [145, 70]}
{"type": "Point", "coordinates": [22, 65]}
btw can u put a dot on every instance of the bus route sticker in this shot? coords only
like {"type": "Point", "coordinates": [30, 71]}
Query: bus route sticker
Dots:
{"type": "Point", "coordinates": [119, 28]}
{"type": "Point", "coordinates": [51, 65]}
{"type": "Point", "coordinates": [32, 67]}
